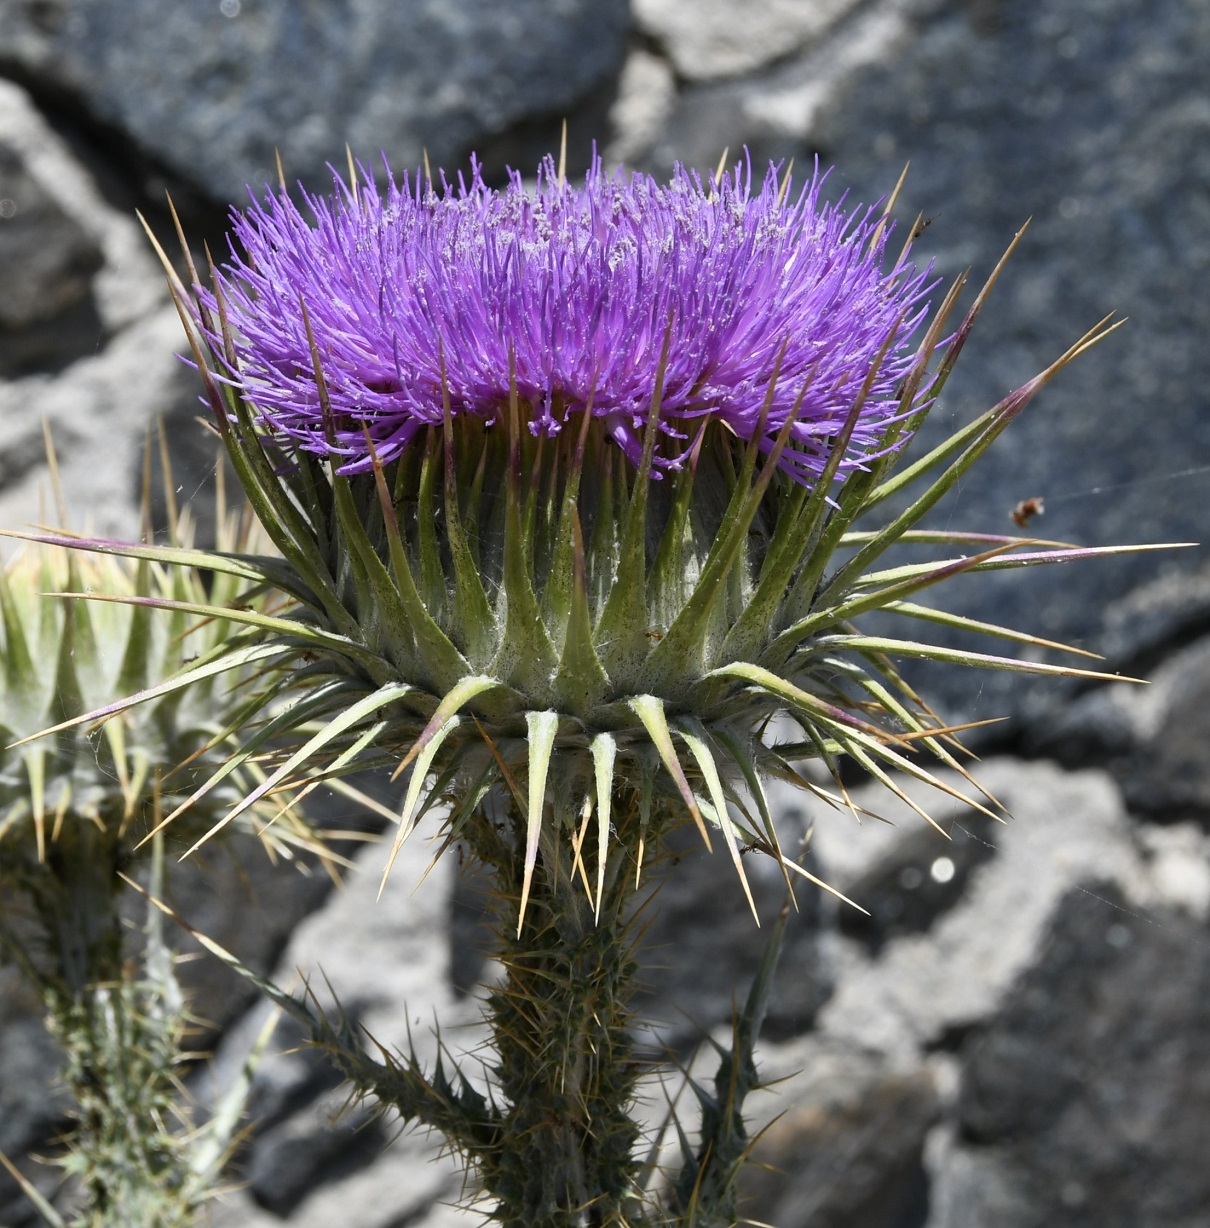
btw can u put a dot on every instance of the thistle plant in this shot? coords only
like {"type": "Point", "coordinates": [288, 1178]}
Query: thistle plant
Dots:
{"type": "Point", "coordinates": [76, 810]}
{"type": "Point", "coordinates": [572, 488]}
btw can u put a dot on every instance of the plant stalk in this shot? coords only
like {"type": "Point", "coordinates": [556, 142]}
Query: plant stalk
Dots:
{"type": "Point", "coordinates": [566, 1067]}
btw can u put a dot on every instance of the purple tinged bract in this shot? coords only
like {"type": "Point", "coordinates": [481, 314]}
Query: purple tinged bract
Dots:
{"type": "Point", "coordinates": [575, 289]}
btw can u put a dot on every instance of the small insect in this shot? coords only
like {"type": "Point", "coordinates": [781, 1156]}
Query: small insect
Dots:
{"type": "Point", "coordinates": [656, 634]}
{"type": "Point", "coordinates": [922, 224]}
{"type": "Point", "coordinates": [1026, 510]}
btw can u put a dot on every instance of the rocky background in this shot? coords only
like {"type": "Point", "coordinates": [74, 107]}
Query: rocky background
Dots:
{"type": "Point", "coordinates": [1019, 1035]}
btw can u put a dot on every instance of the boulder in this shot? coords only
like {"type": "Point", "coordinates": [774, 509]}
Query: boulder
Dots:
{"type": "Point", "coordinates": [386, 962]}
{"type": "Point", "coordinates": [715, 38]}
{"type": "Point", "coordinates": [90, 347]}
{"type": "Point", "coordinates": [211, 91]}
{"type": "Point", "coordinates": [31, 1105]}
{"type": "Point", "coordinates": [1081, 1117]}
{"type": "Point", "coordinates": [846, 1147]}
{"type": "Point", "coordinates": [48, 261]}
{"type": "Point", "coordinates": [1152, 738]}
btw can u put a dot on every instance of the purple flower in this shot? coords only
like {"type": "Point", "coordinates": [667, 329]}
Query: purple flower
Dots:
{"type": "Point", "coordinates": [575, 288]}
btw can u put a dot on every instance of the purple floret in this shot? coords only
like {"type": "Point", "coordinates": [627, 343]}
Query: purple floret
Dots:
{"type": "Point", "coordinates": [576, 287]}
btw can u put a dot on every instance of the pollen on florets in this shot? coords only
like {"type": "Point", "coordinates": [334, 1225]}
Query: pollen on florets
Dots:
{"type": "Point", "coordinates": [413, 293]}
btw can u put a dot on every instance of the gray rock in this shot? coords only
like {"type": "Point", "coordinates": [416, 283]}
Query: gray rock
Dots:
{"type": "Point", "coordinates": [101, 405]}
{"type": "Point", "coordinates": [326, 1139]}
{"type": "Point", "coordinates": [211, 90]}
{"type": "Point", "coordinates": [646, 96]}
{"type": "Point", "coordinates": [47, 261]}
{"type": "Point", "coordinates": [1150, 620]}
{"type": "Point", "coordinates": [922, 989]}
{"type": "Point", "coordinates": [715, 38]}
{"type": "Point", "coordinates": [30, 1102]}
{"type": "Point", "coordinates": [1152, 738]}
{"type": "Point", "coordinates": [99, 410]}
{"type": "Point", "coordinates": [387, 962]}
{"type": "Point", "coordinates": [772, 113]}
{"type": "Point", "coordinates": [1092, 117]}
{"type": "Point", "coordinates": [128, 284]}
{"type": "Point", "coordinates": [231, 892]}
{"type": "Point", "coordinates": [1168, 774]}
{"type": "Point", "coordinates": [846, 1146]}
{"type": "Point", "coordinates": [1091, 1117]}
{"type": "Point", "coordinates": [700, 945]}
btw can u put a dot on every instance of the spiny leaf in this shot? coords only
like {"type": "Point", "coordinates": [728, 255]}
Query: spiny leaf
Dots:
{"type": "Point", "coordinates": [995, 422]}
{"type": "Point", "coordinates": [650, 710]}
{"type": "Point", "coordinates": [347, 719]}
{"type": "Point", "coordinates": [829, 616]}
{"type": "Point", "coordinates": [1007, 562]}
{"type": "Point", "coordinates": [542, 727]}
{"type": "Point", "coordinates": [621, 636]}
{"type": "Point", "coordinates": [604, 755]}
{"type": "Point", "coordinates": [233, 659]}
{"type": "Point", "coordinates": [531, 661]}
{"type": "Point", "coordinates": [302, 634]}
{"type": "Point", "coordinates": [960, 623]}
{"type": "Point", "coordinates": [18, 663]}
{"type": "Point", "coordinates": [461, 694]}
{"type": "Point", "coordinates": [424, 761]}
{"type": "Point", "coordinates": [440, 655]}
{"type": "Point", "coordinates": [472, 616]}
{"type": "Point", "coordinates": [695, 737]}
{"type": "Point", "coordinates": [580, 681]}
{"type": "Point", "coordinates": [796, 698]}
{"type": "Point", "coordinates": [954, 656]}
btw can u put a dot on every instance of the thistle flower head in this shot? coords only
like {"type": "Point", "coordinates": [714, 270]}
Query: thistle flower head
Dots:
{"type": "Point", "coordinates": [773, 306]}
{"type": "Point", "coordinates": [476, 390]}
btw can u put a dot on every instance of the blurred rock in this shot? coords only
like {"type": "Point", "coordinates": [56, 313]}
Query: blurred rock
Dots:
{"type": "Point", "coordinates": [908, 890]}
{"type": "Point", "coordinates": [1168, 775]}
{"type": "Point", "coordinates": [109, 323]}
{"type": "Point", "coordinates": [1091, 1117]}
{"type": "Point", "coordinates": [845, 1150]}
{"type": "Point", "coordinates": [326, 1139]}
{"type": "Point", "coordinates": [30, 1104]}
{"type": "Point", "coordinates": [1179, 868]}
{"type": "Point", "coordinates": [1153, 738]}
{"type": "Point", "coordinates": [47, 262]}
{"type": "Point", "coordinates": [772, 114]}
{"type": "Point", "coordinates": [1147, 622]}
{"type": "Point", "coordinates": [646, 96]}
{"type": "Point", "coordinates": [231, 892]}
{"type": "Point", "coordinates": [211, 90]}
{"type": "Point", "coordinates": [925, 989]}
{"type": "Point", "coordinates": [386, 962]}
{"type": "Point", "coordinates": [700, 945]}
{"type": "Point", "coordinates": [74, 223]}
{"type": "Point", "coordinates": [716, 38]}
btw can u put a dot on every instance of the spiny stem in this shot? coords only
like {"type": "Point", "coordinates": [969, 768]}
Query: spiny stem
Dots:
{"type": "Point", "coordinates": [566, 1067]}
{"type": "Point", "coordinates": [120, 1036]}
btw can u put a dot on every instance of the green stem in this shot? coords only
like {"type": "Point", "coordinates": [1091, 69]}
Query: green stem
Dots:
{"type": "Point", "coordinates": [566, 1067]}
{"type": "Point", "coordinates": [120, 1036]}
